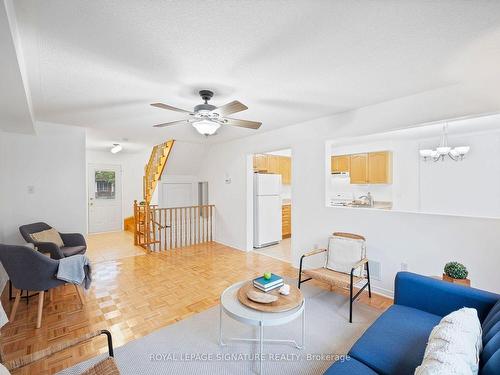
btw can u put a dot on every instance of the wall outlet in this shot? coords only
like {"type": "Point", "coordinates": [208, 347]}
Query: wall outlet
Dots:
{"type": "Point", "coordinates": [404, 266]}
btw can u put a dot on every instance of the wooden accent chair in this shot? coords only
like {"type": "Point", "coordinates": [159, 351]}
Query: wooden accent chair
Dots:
{"type": "Point", "coordinates": [105, 367]}
{"type": "Point", "coordinates": [344, 265]}
{"type": "Point", "coordinates": [30, 270]}
{"type": "Point", "coordinates": [74, 243]}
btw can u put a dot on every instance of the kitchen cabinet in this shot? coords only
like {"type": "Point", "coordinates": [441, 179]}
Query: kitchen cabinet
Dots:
{"type": "Point", "coordinates": [340, 163]}
{"type": "Point", "coordinates": [260, 162]}
{"type": "Point", "coordinates": [358, 170]}
{"type": "Point", "coordinates": [274, 164]}
{"type": "Point", "coordinates": [380, 167]}
{"type": "Point", "coordinates": [286, 220]}
{"type": "Point", "coordinates": [365, 168]}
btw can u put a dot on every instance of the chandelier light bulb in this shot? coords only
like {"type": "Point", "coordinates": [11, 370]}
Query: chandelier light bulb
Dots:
{"type": "Point", "coordinates": [443, 150]}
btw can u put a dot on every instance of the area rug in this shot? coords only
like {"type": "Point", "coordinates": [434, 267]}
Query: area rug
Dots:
{"type": "Point", "coordinates": [191, 345]}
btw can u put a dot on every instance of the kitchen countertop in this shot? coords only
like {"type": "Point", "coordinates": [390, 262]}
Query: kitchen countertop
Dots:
{"type": "Point", "coordinates": [378, 205]}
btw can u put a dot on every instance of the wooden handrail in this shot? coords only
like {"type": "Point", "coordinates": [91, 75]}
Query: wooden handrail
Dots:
{"type": "Point", "coordinates": [154, 168]}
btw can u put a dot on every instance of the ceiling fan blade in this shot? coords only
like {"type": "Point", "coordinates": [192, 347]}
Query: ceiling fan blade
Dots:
{"type": "Point", "coordinates": [171, 123]}
{"type": "Point", "coordinates": [229, 108]}
{"type": "Point", "coordinates": [169, 107]}
{"type": "Point", "coordinates": [243, 123]}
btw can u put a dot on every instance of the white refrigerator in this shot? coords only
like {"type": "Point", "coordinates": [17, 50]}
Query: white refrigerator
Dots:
{"type": "Point", "coordinates": [267, 210]}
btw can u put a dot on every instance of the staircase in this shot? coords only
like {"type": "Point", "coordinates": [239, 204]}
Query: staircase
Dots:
{"type": "Point", "coordinates": [155, 167]}
{"type": "Point", "coordinates": [143, 221]}
{"type": "Point", "coordinates": [159, 229]}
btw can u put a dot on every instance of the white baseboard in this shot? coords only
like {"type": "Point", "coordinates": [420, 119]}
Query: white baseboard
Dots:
{"type": "Point", "coordinates": [229, 245]}
{"type": "Point", "coordinates": [383, 292]}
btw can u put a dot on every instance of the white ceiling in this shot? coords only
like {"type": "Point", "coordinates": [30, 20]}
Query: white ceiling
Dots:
{"type": "Point", "coordinates": [99, 64]}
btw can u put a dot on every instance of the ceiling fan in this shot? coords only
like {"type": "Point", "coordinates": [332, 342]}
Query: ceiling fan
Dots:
{"type": "Point", "coordinates": [207, 118]}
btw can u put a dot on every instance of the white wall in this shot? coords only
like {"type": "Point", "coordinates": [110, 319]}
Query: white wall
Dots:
{"type": "Point", "coordinates": [424, 242]}
{"type": "Point", "coordinates": [184, 163]}
{"type": "Point", "coordinates": [183, 166]}
{"type": "Point", "coordinates": [132, 165]}
{"type": "Point", "coordinates": [52, 163]}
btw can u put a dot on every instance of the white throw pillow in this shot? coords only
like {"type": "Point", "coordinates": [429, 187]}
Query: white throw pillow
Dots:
{"type": "Point", "coordinates": [454, 345]}
{"type": "Point", "coordinates": [343, 253]}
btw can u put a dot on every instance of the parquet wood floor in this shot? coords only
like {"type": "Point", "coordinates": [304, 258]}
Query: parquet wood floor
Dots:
{"type": "Point", "coordinates": [132, 295]}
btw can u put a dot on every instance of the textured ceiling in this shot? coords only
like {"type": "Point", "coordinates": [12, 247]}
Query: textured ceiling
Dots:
{"type": "Point", "coordinates": [99, 63]}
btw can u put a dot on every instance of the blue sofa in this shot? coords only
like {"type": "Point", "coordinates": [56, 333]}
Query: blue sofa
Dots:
{"type": "Point", "coordinates": [395, 343]}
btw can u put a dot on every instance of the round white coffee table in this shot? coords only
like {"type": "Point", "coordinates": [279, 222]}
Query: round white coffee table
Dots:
{"type": "Point", "coordinates": [231, 306]}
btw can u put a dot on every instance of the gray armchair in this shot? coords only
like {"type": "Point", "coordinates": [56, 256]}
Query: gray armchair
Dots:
{"type": "Point", "coordinates": [30, 270]}
{"type": "Point", "coordinates": [74, 243]}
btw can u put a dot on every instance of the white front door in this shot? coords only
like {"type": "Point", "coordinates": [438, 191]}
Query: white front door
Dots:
{"type": "Point", "coordinates": [105, 198]}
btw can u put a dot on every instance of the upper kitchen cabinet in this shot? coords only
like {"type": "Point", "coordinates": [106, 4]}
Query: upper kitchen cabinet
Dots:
{"type": "Point", "coordinates": [260, 163]}
{"type": "Point", "coordinates": [380, 167]}
{"type": "Point", "coordinates": [340, 163]}
{"type": "Point", "coordinates": [358, 170]}
{"type": "Point", "coordinates": [275, 164]}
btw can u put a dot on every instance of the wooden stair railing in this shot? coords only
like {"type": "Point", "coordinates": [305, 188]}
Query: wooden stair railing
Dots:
{"type": "Point", "coordinates": [159, 229]}
{"type": "Point", "coordinates": [154, 169]}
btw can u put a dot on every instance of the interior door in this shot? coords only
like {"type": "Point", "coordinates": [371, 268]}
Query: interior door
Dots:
{"type": "Point", "coordinates": [105, 198]}
{"type": "Point", "coordinates": [177, 194]}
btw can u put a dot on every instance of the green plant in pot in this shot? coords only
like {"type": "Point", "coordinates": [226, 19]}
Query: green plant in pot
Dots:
{"type": "Point", "coordinates": [456, 273]}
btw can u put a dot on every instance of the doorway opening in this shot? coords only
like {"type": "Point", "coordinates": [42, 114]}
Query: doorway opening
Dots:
{"type": "Point", "coordinates": [272, 204]}
{"type": "Point", "coordinates": [104, 198]}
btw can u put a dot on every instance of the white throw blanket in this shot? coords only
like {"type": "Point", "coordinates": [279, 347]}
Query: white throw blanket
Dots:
{"type": "Point", "coordinates": [75, 269]}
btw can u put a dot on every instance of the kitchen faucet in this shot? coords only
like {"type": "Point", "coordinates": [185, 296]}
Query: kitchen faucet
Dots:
{"type": "Point", "coordinates": [369, 198]}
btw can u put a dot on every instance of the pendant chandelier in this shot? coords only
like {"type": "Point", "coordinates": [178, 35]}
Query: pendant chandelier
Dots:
{"type": "Point", "coordinates": [443, 150]}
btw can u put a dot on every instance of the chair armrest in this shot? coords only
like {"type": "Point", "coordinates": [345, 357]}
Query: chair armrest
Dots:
{"type": "Point", "coordinates": [73, 239]}
{"type": "Point", "coordinates": [313, 252]}
{"type": "Point", "coordinates": [49, 247]}
{"type": "Point", "coordinates": [440, 297]}
{"type": "Point", "coordinates": [30, 358]}
{"type": "Point", "coordinates": [310, 253]}
{"type": "Point", "coordinates": [361, 263]}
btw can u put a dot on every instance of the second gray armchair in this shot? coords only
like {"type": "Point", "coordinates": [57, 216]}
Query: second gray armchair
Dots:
{"type": "Point", "coordinates": [73, 243]}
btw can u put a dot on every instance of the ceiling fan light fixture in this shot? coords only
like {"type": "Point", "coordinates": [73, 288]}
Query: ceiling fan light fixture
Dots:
{"type": "Point", "coordinates": [206, 127]}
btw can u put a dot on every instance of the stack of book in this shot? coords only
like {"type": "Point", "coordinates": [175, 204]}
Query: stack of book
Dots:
{"type": "Point", "coordinates": [267, 285]}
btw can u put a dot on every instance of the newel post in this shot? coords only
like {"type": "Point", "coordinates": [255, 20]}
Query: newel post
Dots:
{"type": "Point", "coordinates": [136, 222]}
